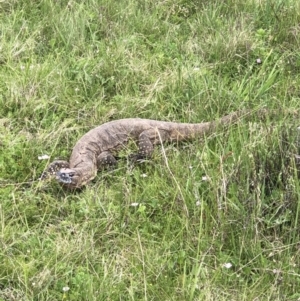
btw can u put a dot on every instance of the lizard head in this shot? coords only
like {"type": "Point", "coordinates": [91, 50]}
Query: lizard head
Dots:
{"type": "Point", "coordinates": [75, 177]}
{"type": "Point", "coordinates": [69, 177]}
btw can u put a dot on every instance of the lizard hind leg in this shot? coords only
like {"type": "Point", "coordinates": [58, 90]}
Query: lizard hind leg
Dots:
{"type": "Point", "coordinates": [145, 146]}
{"type": "Point", "coordinates": [147, 140]}
{"type": "Point", "coordinates": [106, 159]}
{"type": "Point", "coordinates": [53, 168]}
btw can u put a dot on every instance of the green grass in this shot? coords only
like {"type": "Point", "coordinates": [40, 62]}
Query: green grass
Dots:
{"type": "Point", "coordinates": [231, 197]}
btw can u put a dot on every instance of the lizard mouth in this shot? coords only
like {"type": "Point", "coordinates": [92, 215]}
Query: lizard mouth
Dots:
{"type": "Point", "coordinates": [65, 176]}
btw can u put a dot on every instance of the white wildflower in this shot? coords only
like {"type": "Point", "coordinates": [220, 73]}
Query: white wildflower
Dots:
{"type": "Point", "coordinates": [43, 157]}
{"type": "Point", "coordinates": [198, 203]}
{"type": "Point", "coordinates": [134, 204]}
{"type": "Point", "coordinates": [227, 265]}
{"type": "Point", "coordinates": [65, 289]}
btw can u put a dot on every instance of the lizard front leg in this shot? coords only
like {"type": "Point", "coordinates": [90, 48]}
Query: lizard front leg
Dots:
{"type": "Point", "coordinates": [53, 168]}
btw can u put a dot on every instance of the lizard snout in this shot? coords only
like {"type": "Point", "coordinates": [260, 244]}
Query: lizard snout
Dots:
{"type": "Point", "coordinates": [65, 175]}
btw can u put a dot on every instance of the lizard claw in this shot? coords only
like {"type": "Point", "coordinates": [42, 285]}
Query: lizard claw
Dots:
{"type": "Point", "coordinates": [133, 158]}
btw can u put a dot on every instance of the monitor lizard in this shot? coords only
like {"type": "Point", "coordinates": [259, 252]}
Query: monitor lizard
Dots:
{"type": "Point", "coordinates": [97, 148]}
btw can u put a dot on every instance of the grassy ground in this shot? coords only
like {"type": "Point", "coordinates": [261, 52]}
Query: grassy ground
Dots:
{"type": "Point", "coordinates": [222, 222]}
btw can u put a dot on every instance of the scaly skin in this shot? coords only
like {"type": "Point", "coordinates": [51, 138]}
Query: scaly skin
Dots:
{"type": "Point", "coordinates": [97, 147]}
